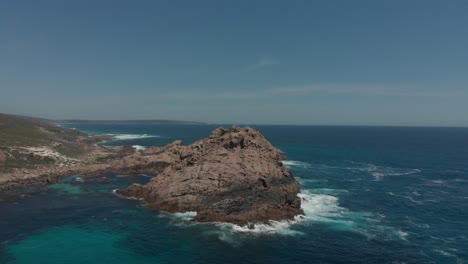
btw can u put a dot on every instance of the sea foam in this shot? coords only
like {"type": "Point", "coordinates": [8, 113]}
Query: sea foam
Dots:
{"type": "Point", "coordinates": [320, 206]}
{"type": "Point", "coordinates": [139, 147]}
{"type": "Point", "coordinates": [319, 209]}
{"type": "Point", "coordinates": [132, 136]}
{"type": "Point", "coordinates": [380, 172]}
{"type": "Point", "coordinates": [294, 163]}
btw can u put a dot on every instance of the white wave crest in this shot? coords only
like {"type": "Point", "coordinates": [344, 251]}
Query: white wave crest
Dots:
{"type": "Point", "coordinates": [132, 136]}
{"type": "Point", "coordinates": [79, 179]}
{"type": "Point", "coordinates": [232, 233]}
{"type": "Point", "coordinates": [324, 208]}
{"type": "Point", "coordinates": [185, 216]}
{"type": "Point", "coordinates": [294, 163]}
{"type": "Point", "coordinates": [139, 147]}
{"type": "Point", "coordinates": [406, 197]}
{"type": "Point", "coordinates": [318, 209]}
{"type": "Point", "coordinates": [125, 197]}
{"type": "Point", "coordinates": [380, 172]}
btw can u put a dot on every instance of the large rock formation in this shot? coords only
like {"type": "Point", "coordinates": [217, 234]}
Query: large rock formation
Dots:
{"type": "Point", "coordinates": [235, 175]}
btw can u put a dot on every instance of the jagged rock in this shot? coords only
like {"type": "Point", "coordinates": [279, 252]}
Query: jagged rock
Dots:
{"type": "Point", "coordinates": [152, 150]}
{"type": "Point", "coordinates": [234, 175]}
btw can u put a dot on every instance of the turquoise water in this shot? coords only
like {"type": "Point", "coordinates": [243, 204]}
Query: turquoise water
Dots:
{"type": "Point", "coordinates": [371, 195]}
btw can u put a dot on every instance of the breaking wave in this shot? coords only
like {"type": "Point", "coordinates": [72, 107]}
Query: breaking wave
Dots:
{"type": "Point", "coordinates": [377, 172]}
{"type": "Point", "coordinates": [321, 206]}
{"type": "Point", "coordinates": [294, 163]}
{"type": "Point", "coordinates": [139, 147]}
{"type": "Point", "coordinates": [114, 191]}
{"type": "Point", "coordinates": [380, 172]}
{"type": "Point", "coordinates": [185, 216]}
{"type": "Point", "coordinates": [319, 209]}
{"type": "Point", "coordinates": [132, 136]}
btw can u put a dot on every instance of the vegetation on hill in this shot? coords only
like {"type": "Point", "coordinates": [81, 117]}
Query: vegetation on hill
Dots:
{"type": "Point", "coordinates": [27, 142]}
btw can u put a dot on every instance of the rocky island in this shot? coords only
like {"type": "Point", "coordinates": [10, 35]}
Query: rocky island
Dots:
{"type": "Point", "coordinates": [234, 175]}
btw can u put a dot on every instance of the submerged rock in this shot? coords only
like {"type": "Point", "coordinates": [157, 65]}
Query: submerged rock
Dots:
{"type": "Point", "coordinates": [104, 179]}
{"type": "Point", "coordinates": [235, 175]}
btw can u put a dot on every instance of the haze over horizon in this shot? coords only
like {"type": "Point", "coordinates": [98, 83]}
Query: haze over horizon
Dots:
{"type": "Point", "coordinates": [247, 62]}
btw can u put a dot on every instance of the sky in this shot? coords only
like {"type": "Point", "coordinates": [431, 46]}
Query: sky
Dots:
{"type": "Point", "coordinates": [330, 62]}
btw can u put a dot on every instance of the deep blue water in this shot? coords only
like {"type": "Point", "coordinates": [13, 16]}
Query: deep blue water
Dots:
{"type": "Point", "coordinates": [372, 195]}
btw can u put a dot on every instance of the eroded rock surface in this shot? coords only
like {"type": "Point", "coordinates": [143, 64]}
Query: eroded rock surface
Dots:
{"type": "Point", "coordinates": [3, 157]}
{"type": "Point", "coordinates": [235, 175]}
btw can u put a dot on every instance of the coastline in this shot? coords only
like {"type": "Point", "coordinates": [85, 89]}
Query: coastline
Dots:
{"type": "Point", "coordinates": [45, 163]}
{"type": "Point", "coordinates": [98, 161]}
{"type": "Point", "coordinates": [233, 175]}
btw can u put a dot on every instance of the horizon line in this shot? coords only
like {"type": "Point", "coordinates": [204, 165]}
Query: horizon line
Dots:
{"type": "Point", "coordinates": [71, 120]}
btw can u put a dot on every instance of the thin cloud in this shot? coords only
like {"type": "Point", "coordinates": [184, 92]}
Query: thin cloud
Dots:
{"type": "Point", "coordinates": [366, 89]}
{"type": "Point", "coordinates": [263, 63]}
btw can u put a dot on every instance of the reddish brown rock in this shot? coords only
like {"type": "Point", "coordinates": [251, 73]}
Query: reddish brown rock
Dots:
{"type": "Point", "coordinates": [159, 150]}
{"type": "Point", "coordinates": [234, 175]}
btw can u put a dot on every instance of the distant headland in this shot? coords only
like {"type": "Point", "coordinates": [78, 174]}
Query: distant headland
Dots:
{"type": "Point", "coordinates": [131, 121]}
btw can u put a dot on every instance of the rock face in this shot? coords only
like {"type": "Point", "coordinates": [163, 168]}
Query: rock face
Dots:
{"type": "Point", "coordinates": [3, 157]}
{"type": "Point", "coordinates": [235, 175]}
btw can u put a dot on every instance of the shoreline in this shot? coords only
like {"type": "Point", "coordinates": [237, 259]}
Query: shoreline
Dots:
{"type": "Point", "coordinates": [233, 175]}
{"type": "Point", "coordinates": [97, 160]}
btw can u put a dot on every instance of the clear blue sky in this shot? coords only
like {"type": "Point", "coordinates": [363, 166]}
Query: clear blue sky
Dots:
{"type": "Point", "coordinates": [275, 62]}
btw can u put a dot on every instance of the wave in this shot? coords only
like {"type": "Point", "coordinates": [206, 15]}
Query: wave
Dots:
{"type": "Point", "coordinates": [79, 179]}
{"type": "Point", "coordinates": [139, 147]}
{"type": "Point", "coordinates": [437, 182]}
{"type": "Point", "coordinates": [126, 197]}
{"type": "Point", "coordinates": [380, 172]}
{"type": "Point", "coordinates": [234, 234]}
{"type": "Point", "coordinates": [324, 208]}
{"type": "Point", "coordinates": [406, 197]}
{"type": "Point", "coordinates": [185, 216]}
{"type": "Point", "coordinates": [377, 172]}
{"type": "Point", "coordinates": [132, 136]}
{"type": "Point", "coordinates": [318, 208]}
{"type": "Point", "coordinates": [294, 163]}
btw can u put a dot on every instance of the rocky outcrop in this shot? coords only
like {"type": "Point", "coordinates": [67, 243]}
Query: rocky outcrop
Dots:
{"type": "Point", "coordinates": [235, 175]}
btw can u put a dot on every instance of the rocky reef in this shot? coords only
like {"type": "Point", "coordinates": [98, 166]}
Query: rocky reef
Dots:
{"type": "Point", "coordinates": [235, 175]}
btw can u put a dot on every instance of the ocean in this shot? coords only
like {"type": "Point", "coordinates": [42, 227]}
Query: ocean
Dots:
{"type": "Point", "coordinates": [370, 194]}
